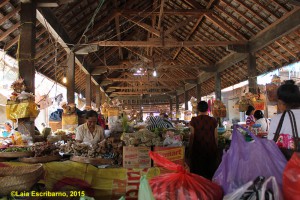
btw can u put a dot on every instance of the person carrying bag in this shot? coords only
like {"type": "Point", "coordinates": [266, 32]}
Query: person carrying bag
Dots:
{"type": "Point", "coordinates": [287, 146]}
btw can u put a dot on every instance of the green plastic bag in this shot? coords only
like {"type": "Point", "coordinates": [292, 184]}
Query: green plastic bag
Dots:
{"type": "Point", "coordinates": [145, 192]}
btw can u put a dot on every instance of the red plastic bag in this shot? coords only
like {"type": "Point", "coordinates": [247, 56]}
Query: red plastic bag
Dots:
{"type": "Point", "coordinates": [181, 184]}
{"type": "Point", "coordinates": [291, 178]}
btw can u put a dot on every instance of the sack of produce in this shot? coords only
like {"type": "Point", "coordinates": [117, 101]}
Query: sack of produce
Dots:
{"type": "Point", "coordinates": [181, 184]}
{"type": "Point", "coordinates": [244, 161]}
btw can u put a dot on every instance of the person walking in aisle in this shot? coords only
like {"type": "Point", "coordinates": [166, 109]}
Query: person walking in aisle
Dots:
{"type": "Point", "coordinates": [203, 151]}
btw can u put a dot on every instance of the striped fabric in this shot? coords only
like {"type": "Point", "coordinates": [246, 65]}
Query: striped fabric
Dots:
{"type": "Point", "coordinates": [157, 122]}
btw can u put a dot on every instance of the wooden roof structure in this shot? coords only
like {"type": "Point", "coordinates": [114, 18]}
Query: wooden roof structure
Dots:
{"type": "Point", "coordinates": [122, 42]}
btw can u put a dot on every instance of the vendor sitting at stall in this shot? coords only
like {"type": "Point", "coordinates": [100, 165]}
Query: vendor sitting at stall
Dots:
{"type": "Point", "coordinates": [90, 132]}
{"type": "Point", "coordinates": [8, 129]}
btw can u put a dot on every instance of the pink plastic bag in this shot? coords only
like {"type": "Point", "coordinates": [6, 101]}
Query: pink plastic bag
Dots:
{"type": "Point", "coordinates": [181, 184]}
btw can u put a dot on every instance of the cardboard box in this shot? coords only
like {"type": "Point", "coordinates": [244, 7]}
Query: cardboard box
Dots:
{"type": "Point", "coordinates": [136, 157]}
{"type": "Point", "coordinates": [174, 154]}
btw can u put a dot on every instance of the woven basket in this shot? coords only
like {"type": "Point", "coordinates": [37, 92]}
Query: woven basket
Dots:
{"type": "Point", "coordinates": [219, 113]}
{"type": "Point", "coordinates": [15, 154]}
{"type": "Point", "coordinates": [42, 159]}
{"type": "Point", "coordinates": [92, 161]}
{"type": "Point", "coordinates": [19, 178]}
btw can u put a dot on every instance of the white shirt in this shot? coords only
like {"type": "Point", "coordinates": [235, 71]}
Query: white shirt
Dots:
{"type": "Point", "coordinates": [265, 124]}
{"type": "Point", "coordinates": [286, 126]}
{"type": "Point", "coordinates": [83, 134]}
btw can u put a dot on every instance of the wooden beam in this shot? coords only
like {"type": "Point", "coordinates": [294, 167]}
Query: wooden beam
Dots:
{"type": "Point", "coordinates": [139, 53]}
{"type": "Point", "coordinates": [71, 78]}
{"type": "Point", "coordinates": [144, 79]}
{"type": "Point", "coordinates": [185, 12]}
{"type": "Point", "coordinates": [3, 3]}
{"type": "Point", "coordinates": [117, 23]}
{"type": "Point", "coordinates": [167, 43]}
{"type": "Point", "coordinates": [161, 13]}
{"type": "Point", "coordinates": [88, 90]}
{"type": "Point", "coordinates": [252, 73]}
{"type": "Point", "coordinates": [98, 70]}
{"type": "Point", "coordinates": [141, 87]}
{"type": "Point", "coordinates": [280, 28]}
{"type": "Point", "coordinates": [218, 85]}
{"type": "Point", "coordinates": [136, 93]}
{"type": "Point", "coordinates": [26, 58]}
{"type": "Point", "coordinates": [143, 25]}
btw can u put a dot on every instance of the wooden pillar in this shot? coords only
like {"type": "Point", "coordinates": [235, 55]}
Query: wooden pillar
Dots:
{"type": "Point", "coordinates": [198, 92]}
{"type": "Point", "coordinates": [177, 106]}
{"type": "Point", "coordinates": [88, 90]}
{"type": "Point", "coordinates": [26, 58]}
{"type": "Point", "coordinates": [141, 108]}
{"type": "Point", "coordinates": [98, 97]}
{"type": "Point", "coordinates": [186, 100]}
{"type": "Point", "coordinates": [71, 78]}
{"type": "Point", "coordinates": [171, 108]}
{"type": "Point", "coordinates": [218, 85]}
{"type": "Point", "coordinates": [252, 73]}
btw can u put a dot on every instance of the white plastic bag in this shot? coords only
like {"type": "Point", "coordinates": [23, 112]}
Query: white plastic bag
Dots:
{"type": "Point", "coordinates": [237, 194]}
{"type": "Point", "coordinates": [269, 183]}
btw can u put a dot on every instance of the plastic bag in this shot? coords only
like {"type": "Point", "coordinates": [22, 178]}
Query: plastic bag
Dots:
{"type": "Point", "coordinates": [181, 184]}
{"type": "Point", "coordinates": [266, 188]}
{"type": "Point", "coordinates": [244, 161]}
{"type": "Point", "coordinates": [291, 178]}
{"type": "Point", "coordinates": [238, 193]}
{"type": "Point", "coordinates": [145, 192]}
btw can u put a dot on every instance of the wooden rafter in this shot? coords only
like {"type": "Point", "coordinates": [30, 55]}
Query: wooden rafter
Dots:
{"type": "Point", "coordinates": [286, 48]}
{"type": "Point", "coordinates": [3, 3]}
{"type": "Point", "coordinates": [167, 43]}
{"type": "Point", "coordinates": [9, 31]}
{"type": "Point", "coordinates": [143, 25]}
{"type": "Point", "coordinates": [9, 15]}
{"type": "Point", "coordinates": [248, 19]}
{"type": "Point", "coordinates": [176, 12]}
{"type": "Point", "coordinates": [226, 27]}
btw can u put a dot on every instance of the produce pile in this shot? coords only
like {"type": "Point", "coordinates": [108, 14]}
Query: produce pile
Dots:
{"type": "Point", "coordinates": [44, 149]}
{"type": "Point", "coordinates": [16, 149]}
{"type": "Point", "coordinates": [143, 137]}
{"type": "Point", "coordinates": [106, 149]}
{"type": "Point", "coordinates": [159, 137]}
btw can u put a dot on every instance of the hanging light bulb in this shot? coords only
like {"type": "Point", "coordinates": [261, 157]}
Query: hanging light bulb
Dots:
{"type": "Point", "coordinates": [154, 73]}
{"type": "Point", "coordinates": [64, 80]}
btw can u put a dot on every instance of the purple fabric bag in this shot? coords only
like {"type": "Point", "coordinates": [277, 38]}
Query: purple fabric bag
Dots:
{"type": "Point", "coordinates": [244, 161]}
